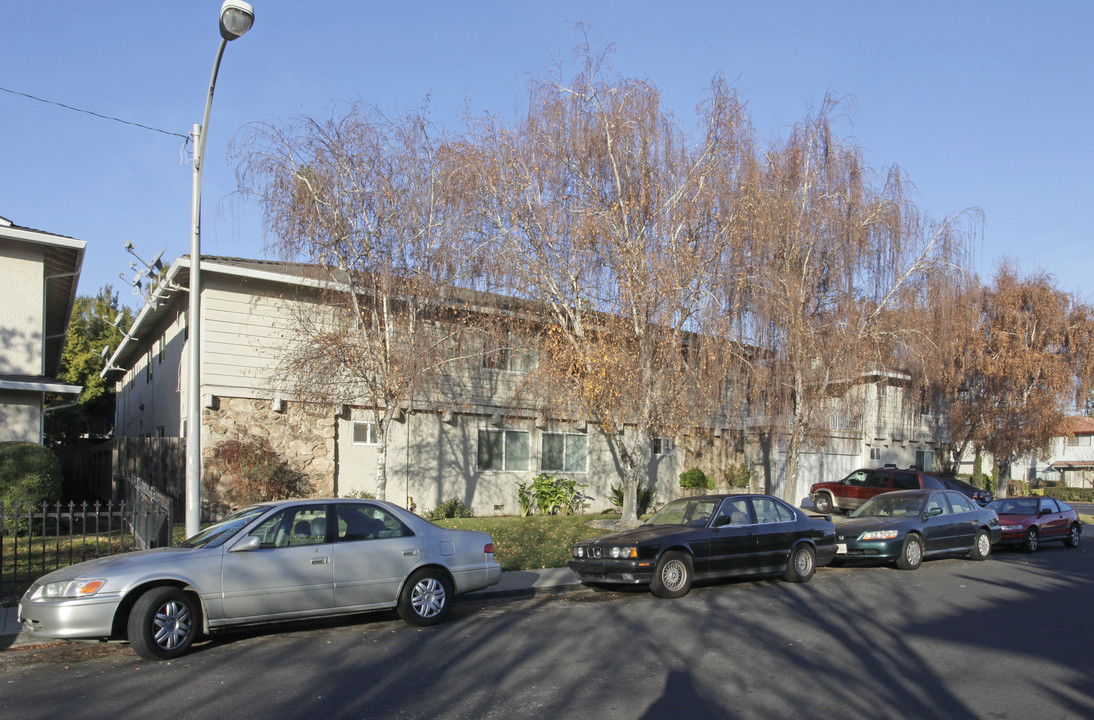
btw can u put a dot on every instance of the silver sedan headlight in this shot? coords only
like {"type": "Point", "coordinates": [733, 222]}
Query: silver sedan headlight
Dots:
{"type": "Point", "coordinates": [70, 589]}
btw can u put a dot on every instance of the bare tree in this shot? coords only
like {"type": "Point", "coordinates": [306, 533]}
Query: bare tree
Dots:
{"type": "Point", "coordinates": [832, 269]}
{"type": "Point", "coordinates": [600, 209]}
{"type": "Point", "coordinates": [1027, 366]}
{"type": "Point", "coordinates": [359, 198]}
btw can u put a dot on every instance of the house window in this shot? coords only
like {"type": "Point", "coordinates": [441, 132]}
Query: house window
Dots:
{"type": "Point", "coordinates": [507, 353]}
{"type": "Point", "coordinates": [364, 433]}
{"type": "Point", "coordinates": [161, 348]}
{"type": "Point", "coordinates": [924, 459]}
{"type": "Point", "coordinates": [564, 452]}
{"type": "Point", "coordinates": [875, 453]}
{"type": "Point", "coordinates": [148, 368]}
{"type": "Point", "coordinates": [662, 446]}
{"type": "Point", "coordinates": [1079, 441]}
{"type": "Point", "coordinates": [504, 450]}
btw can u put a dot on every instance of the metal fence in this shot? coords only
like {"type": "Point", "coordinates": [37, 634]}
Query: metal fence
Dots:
{"type": "Point", "coordinates": [39, 539]}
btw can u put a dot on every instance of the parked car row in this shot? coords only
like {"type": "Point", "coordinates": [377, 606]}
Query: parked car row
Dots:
{"type": "Point", "coordinates": [312, 558]}
{"type": "Point", "coordinates": [720, 536]}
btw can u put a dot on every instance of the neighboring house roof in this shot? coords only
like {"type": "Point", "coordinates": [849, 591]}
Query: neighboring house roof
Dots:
{"type": "Point", "coordinates": [38, 383]}
{"type": "Point", "coordinates": [1080, 426]}
{"type": "Point", "coordinates": [64, 257]}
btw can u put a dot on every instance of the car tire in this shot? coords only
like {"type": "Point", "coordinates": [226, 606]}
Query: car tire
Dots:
{"type": "Point", "coordinates": [981, 546]}
{"type": "Point", "coordinates": [163, 623]}
{"type": "Point", "coordinates": [672, 578]}
{"type": "Point", "coordinates": [801, 564]}
{"type": "Point", "coordinates": [911, 553]}
{"type": "Point", "coordinates": [823, 503]}
{"type": "Point", "coordinates": [1073, 535]}
{"type": "Point", "coordinates": [1033, 538]}
{"type": "Point", "coordinates": [426, 598]}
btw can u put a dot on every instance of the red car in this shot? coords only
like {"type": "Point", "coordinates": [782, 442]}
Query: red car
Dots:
{"type": "Point", "coordinates": [861, 485]}
{"type": "Point", "coordinates": [1030, 521]}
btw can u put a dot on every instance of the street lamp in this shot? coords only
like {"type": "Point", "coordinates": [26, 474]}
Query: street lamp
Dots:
{"type": "Point", "coordinates": [236, 18]}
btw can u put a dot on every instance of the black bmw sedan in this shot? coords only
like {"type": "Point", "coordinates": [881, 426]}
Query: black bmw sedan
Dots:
{"type": "Point", "coordinates": [709, 537]}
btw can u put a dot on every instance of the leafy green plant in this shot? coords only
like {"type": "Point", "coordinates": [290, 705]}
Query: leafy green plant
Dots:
{"type": "Point", "coordinates": [254, 472]}
{"type": "Point", "coordinates": [450, 508]}
{"type": "Point", "coordinates": [30, 474]}
{"type": "Point", "coordinates": [553, 495]}
{"type": "Point", "coordinates": [526, 499]}
{"type": "Point", "coordinates": [645, 499]}
{"type": "Point", "coordinates": [359, 495]}
{"type": "Point", "coordinates": [694, 479]}
{"type": "Point", "coordinates": [738, 475]}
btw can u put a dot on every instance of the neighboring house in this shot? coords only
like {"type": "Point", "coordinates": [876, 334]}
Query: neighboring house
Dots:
{"type": "Point", "coordinates": [466, 439]}
{"type": "Point", "coordinates": [41, 272]}
{"type": "Point", "coordinates": [1070, 459]}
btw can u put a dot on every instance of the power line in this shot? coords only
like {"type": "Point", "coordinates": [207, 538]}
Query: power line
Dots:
{"type": "Point", "coordinates": [104, 117]}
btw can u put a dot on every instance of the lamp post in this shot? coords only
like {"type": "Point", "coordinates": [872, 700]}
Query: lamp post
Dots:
{"type": "Point", "coordinates": [236, 18]}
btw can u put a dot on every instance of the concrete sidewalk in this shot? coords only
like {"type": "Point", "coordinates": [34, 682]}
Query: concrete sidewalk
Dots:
{"type": "Point", "coordinates": [515, 585]}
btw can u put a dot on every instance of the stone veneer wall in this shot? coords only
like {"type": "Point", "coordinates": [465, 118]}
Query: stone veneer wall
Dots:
{"type": "Point", "coordinates": [304, 436]}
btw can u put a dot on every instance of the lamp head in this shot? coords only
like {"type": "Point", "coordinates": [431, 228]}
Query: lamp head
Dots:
{"type": "Point", "coordinates": [236, 18]}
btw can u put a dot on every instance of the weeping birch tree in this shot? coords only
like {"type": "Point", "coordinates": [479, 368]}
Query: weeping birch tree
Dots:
{"type": "Point", "coordinates": [598, 208]}
{"type": "Point", "coordinates": [358, 197]}
{"type": "Point", "coordinates": [835, 267]}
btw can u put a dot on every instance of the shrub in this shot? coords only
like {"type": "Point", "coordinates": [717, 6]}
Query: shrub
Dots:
{"type": "Point", "coordinates": [527, 498]}
{"type": "Point", "coordinates": [694, 479]}
{"type": "Point", "coordinates": [645, 499]}
{"type": "Point", "coordinates": [30, 474]}
{"type": "Point", "coordinates": [254, 472]}
{"type": "Point", "coordinates": [1070, 494]}
{"type": "Point", "coordinates": [553, 495]}
{"type": "Point", "coordinates": [738, 475]}
{"type": "Point", "coordinates": [359, 495]}
{"type": "Point", "coordinates": [451, 508]}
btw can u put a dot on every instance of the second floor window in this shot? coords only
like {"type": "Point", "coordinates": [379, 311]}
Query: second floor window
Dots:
{"type": "Point", "coordinates": [662, 446]}
{"type": "Point", "coordinates": [507, 352]}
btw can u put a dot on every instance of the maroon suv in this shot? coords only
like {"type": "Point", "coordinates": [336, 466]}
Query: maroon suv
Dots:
{"type": "Point", "coordinates": [861, 485]}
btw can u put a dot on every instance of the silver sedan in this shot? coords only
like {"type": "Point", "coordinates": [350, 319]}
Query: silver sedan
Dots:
{"type": "Point", "coordinates": [265, 562]}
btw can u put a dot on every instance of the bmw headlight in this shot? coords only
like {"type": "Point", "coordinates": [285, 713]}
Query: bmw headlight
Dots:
{"type": "Point", "coordinates": [70, 589]}
{"type": "Point", "coordinates": [878, 535]}
{"type": "Point", "coordinates": [624, 552]}
{"type": "Point", "coordinates": [579, 552]}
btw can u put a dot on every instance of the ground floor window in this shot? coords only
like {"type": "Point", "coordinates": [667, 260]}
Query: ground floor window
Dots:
{"type": "Point", "coordinates": [364, 433]}
{"type": "Point", "coordinates": [504, 450]}
{"type": "Point", "coordinates": [662, 446]}
{"type": "Point", "coordinates": [565, 452]}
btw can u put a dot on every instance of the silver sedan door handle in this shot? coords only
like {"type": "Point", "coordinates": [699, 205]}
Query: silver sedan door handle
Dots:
{"type": "Point", "coordinates": [320, 561]}
{"type": "Point", "coordinates": [410, 552]}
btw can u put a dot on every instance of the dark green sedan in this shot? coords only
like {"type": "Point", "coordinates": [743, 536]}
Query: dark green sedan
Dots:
{"type": "Point", "coordinates": [911, 525]}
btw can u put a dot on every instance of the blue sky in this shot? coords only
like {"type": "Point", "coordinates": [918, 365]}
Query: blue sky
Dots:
{"type": "Point", "coordinates": [983, 104]}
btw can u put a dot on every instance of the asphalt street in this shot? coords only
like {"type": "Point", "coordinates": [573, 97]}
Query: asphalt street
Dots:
{"type": "Point", "coordinates": [1006, 638]}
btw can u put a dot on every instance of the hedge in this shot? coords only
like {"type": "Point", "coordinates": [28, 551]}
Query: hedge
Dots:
{"type": "Point", "coordinates": [1072, 494]}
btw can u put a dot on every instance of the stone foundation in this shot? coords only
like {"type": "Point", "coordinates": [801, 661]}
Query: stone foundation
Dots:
{"type": "Point", "coordinates": [303, 436]}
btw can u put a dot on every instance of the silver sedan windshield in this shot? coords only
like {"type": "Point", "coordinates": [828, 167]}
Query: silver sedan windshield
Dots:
{"type": "Point", "coordinates": [219, 533]}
